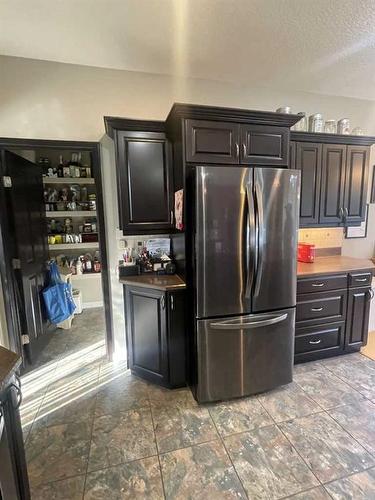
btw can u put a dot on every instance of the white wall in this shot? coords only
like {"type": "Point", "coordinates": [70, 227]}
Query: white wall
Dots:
{"type": "Point", "coordinates": [46, 100]}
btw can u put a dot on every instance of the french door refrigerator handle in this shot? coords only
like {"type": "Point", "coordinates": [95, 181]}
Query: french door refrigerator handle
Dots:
{"type": "Point", "coordinates": [226, 325]}
{"type": "Point", "coordinates": [250, 242]}
{"type": "Point", "coordinates": [260, 229]}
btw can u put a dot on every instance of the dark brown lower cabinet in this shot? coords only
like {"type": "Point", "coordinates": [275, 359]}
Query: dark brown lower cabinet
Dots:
{"type": "Point", "coordinates": [332, 322]}
{"type": "Point", "coordinates": [155, 321]}
{"type": "Point", "coordinates": [357, 318]}
{"type": "Point", "coordinates": [14, 484]}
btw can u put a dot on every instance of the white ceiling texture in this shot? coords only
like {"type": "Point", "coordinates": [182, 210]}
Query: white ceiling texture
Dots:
{"type": "Point", "coordinates": [322, 46]}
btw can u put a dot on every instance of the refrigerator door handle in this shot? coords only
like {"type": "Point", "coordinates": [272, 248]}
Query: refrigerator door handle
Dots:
{"type": "Point", "coordinates": [260, 236]}
{"type": "Point", "coordinates": [248, 325]}
{"type": "Point", "coordinates": [250, 242]}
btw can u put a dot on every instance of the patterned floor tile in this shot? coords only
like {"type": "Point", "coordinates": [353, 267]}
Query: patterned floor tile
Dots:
{"type": "Point", "coordinates": [356, 487]}
{"type": "Point", "coordinates": [327, 389]}
{"type": "Point", "coordinates": [239, 416]}
{"type": "Point", "coordinates": [66, 489]}
{"type": "Point", "coordinates": [201, 472]}
{"type": "Point", "coordinates": [121, 393]}
{"type": "Point", "coordinates": [137, 480]}
{"type": "Point", "coordinates": [314, 494]}
{"type": "Point", "coordinates": [329, 450]}
{"type": "Point", "coordinates": [182, 427]}
{"type": "Point", "coordinates": [177, 398]}
{"type": "Point", "coordinates": [359, 420]}
{"type": "Point", "coordinates": [71, 408]}
{"type": "Point", "coordinates": [120, 438]}
{"type": "Point", "coordinates": [57, 452]}
{"type": "Point", "coordinates": [287, 402]}
{"type": "Point", "coordinates": [359, 375]}
{"type": "Point", "coordinates": [267, 465]}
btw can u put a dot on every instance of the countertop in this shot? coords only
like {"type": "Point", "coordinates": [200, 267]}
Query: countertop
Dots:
{"type": "Point", "coordinates": [160, 282]}
{"type": "Point", "coordinates": [9, 363]}
{"type": "Point", "coordinates": [332, 265]}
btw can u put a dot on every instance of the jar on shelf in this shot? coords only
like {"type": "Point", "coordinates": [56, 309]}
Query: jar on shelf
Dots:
{"type": "Point", "coordinates": [330, 127]}
{"type": "Point", "coordinates": [92, 201]}
{"type": "Point", "coordinates": [343, 126]}
{"type": "Point", "coordinates": [316, 123]}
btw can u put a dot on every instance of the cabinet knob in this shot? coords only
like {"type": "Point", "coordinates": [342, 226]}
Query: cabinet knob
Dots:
{"type": "Point", "coordinates": [244, 150]}
{"type": "Point", "coordinates": [346, 213]}
{"type": "Point", "coordinates": [318, 284]}
{"type": "Point", "coordinates": [317, 309]}
{"type": "Point", "coordinates": [162, 302]}
{"type": "Point", "coordinates": [315, 341]}
{"type": "Point", "coordinates": [341, 213]}
{"type": "Point", "coordinates": [237, 150]}
{"type": "Point", "coordinates": [172, 302]}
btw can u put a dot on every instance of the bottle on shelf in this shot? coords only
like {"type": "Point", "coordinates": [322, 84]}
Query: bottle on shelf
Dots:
{"type": "Point", "coordinates": [60, 168]}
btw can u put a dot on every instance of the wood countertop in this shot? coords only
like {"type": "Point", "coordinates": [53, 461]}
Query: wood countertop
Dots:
{"type": "Point", "coordinates": [332, 265]}
{"type": "Point", "coordinates": [158, 281]}
{"type": "Point", "coordinates": [9, 363]}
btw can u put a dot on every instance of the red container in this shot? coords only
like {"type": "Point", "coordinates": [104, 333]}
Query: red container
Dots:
{"type": "Point", "coordinates": [306, 252]}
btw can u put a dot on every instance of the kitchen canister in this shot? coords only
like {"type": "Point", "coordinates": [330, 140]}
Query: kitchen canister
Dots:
{"type": "Point", "coordinates": [284, 109]}
{"type": "Point", "coordinates": [301, 125]}
{"type": "Point", "coordinates": [343, 126]}
{"type": "Point", "coordinates": [358, 131]}
{"type": "Point", "coordinates": [316, 123]}
{"type": "Point", "coordinates": [330, 127]}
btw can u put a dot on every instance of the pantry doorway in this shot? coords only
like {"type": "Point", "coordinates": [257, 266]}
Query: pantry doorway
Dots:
{"type": "Point", "coordinates": [72, 230]}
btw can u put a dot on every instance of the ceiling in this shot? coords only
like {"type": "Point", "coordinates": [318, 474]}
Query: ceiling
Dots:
{"type": "Point", "coordinates": [321, 46]}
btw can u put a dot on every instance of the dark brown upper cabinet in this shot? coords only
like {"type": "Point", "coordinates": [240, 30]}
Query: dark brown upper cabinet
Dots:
{"type": "Point", "coordinates": [212, 142]}
{"type": "Point", "coordinates": [264, 145]}
{"type": "Point", "coordinates": [232, 143]}
{"type": "Point", "coordinates": [333, 184]}
{"type": "Point", "coordinates": [357, 162]}
{"type": "Point", "coordinates": [309, 161]}
{"type": "Point", "coordinates": [337, 196]}
{"type": "Point", "coordinates": [145, 187]}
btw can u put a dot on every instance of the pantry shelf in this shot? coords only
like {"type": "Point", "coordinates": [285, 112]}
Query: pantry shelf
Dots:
{"type": "Point", "coordinates": [68, 180]}
{"type": "Point", "coordinates": [71, 213]}
{"type": "Point", "coordinates": [73, 246]}
{"type": "Point", "coordinates": [86, 276]}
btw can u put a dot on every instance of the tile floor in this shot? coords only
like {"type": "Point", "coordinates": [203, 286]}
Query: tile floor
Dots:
{"type": "Point", "coordinates": [93, 431]}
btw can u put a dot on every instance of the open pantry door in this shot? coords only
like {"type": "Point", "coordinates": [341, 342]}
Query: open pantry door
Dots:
{"type": "Point", "coordinates": [27, 248]}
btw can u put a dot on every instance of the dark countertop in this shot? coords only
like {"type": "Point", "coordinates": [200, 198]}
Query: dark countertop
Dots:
{"type": "Point", "coordinates": [332, 265]}
{"type": "Point", "coordinates": [9, 363]}
{"type": "Point", "coordinates": [160, 282]}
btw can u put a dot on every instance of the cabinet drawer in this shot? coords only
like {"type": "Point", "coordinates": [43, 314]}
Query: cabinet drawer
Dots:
{"type": "Point", "coordinates": [316, 338]}
{"type": "Point", "coordinates": [360, 279]}
{"type": "Point", "coordinates": [318, 307]}
{"type": "Point", "coordinates": [322, 283]}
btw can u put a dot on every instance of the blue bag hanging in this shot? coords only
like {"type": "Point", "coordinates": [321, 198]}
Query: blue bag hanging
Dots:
{"type": "Point", "coordinates": [58, 297]}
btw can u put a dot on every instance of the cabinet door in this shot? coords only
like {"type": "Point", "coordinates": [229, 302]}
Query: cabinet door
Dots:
{"type": "Point", "coordinates": [146, 333]}
{"type": "Point", "coordinates": [333, 184]}
{"type": "Point", "coordinates": [176, 338]}
{"type": "Point", "coordinates": [357, 163]}
{"type": "Point", "coordinates": [309, 161]}
{"type": "Point", "coordinates": [211, 142]}
{"type": "Point", "coordinates": [144, 182]}
{"type": "Point", "coordinates": [357, 318]}
{"type": "Point", "coordinates": [264, 145]}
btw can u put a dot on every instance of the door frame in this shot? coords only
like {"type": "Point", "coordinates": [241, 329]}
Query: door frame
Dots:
{"type": "Point", "coordinates": [6, 250]}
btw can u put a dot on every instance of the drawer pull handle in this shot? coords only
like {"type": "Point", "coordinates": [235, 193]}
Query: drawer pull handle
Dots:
{"type": "Point", "coordinates": [318, 284]}
{"type": "Point", "coordinates": [315, 341]}
{"type": "Point", "coordinates": [361, 279]}
{"type": "Point", "coordinates": [317, 309]}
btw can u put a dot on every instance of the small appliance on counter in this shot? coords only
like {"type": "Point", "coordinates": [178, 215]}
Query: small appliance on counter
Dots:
{"type": "Point", "coordinates": [306, 252]}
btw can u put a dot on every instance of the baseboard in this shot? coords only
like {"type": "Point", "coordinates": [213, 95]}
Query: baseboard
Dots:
{"type": "Point", "coordinates": [90, 305]}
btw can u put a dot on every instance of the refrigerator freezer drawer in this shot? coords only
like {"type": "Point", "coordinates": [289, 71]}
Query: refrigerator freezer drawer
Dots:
{"type": "Point", "coordinates": [244, 355]}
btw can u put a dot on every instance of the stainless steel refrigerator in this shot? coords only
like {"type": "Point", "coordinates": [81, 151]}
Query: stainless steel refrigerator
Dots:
{"type": "Point", "coordinates": [245, 241]}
